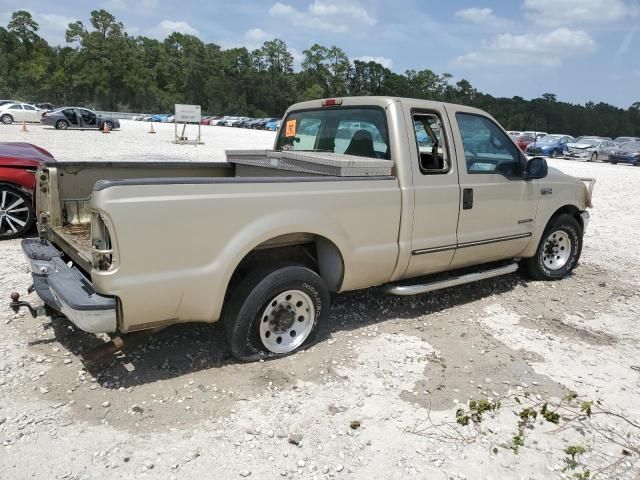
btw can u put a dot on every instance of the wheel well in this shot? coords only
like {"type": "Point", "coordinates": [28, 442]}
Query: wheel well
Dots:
{"type": "Point", "coordinates": [313, 251]}
{"type": "Point", "coordinates": [569, 210]}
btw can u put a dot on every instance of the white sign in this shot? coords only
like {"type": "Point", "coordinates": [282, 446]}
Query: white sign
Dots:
{"type": "Point", "coordinates": [187, 113]}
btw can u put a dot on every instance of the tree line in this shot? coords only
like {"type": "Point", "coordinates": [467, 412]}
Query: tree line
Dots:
{"type": "Point", "coordinates": [104, 67]}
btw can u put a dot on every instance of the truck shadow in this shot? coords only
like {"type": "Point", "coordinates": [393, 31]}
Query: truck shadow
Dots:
{"type": "Point", "coordinates": [191, 347]}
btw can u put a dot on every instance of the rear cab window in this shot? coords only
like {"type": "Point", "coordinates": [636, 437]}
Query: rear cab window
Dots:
{"type": "Point", "coordinates": [358, 131]}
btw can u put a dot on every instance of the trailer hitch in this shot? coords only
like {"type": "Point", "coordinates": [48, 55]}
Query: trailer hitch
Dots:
{"type": "Point", "coordinates": [16, 304]}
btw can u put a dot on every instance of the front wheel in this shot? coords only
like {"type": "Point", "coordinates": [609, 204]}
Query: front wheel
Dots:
{"type": "Point", "coordinates": [276, 311]}
{"type": "Point", "coordinates": [554, 154]}
{"type": "Point", "coordinates": [109, 125]}
{"type": "Point", "coordinates": [594, 157]}
{"type": "Point", "coordinates": [6, 119]}
{"type": "Point", "coordinates": [559, 250]}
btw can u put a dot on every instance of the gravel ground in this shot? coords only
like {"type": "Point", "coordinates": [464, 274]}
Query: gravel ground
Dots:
{"type": "Point", "coordinates": [376, 399]}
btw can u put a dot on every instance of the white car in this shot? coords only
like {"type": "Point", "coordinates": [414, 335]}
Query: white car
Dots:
{"type": "Point", "coordinates": [19, 112]}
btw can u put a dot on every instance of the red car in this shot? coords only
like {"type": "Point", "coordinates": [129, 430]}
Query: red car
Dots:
{"type": "Point", "coordinates": [524, 140]}
{"type": "Point", "coordinates": [18, 163]}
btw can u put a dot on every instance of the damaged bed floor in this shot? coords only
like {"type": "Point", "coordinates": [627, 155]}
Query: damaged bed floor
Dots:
{"type": "Point", "coordinates": [376, 399]}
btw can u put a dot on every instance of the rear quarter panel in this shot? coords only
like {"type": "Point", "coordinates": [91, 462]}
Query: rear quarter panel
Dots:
{"type": "Point", "coordinates": [178, 245]}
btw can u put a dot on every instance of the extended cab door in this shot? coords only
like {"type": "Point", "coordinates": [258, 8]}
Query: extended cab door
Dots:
{"type": "Point", "coordinates": [436, 193]}
{"type": "Point", "coordinates": [497, 206]}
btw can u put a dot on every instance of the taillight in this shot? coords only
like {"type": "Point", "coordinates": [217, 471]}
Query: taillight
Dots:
{"type": "Point", "coordinates": [101, 249]}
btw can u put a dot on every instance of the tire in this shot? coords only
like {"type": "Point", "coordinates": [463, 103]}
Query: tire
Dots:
{"type": "Point", "coordinates": [17, 215]}
{"type": "Point", "coordinates": [614, 163]}
{"type": "Point", "coordinates": [265, 313]}
{"type": "Point", "coordinates": [109, 125]}
{"type": "Point", "coordinates": [554, 154]}
{"type": "Point", "coordinates": [559, 250]}
{"type": "Point", "coordinates": [62, 125]}
{"type": "Point", "coordinates": [6, 119]}
{"type": "Point", "coordinates": [594, 157]}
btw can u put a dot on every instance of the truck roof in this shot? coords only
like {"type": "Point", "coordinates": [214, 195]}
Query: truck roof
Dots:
{"type": "Point", "coordinates": [383, 101]}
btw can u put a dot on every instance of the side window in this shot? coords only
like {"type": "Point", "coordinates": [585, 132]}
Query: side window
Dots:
{"type": "Point", "coordinates": [15, 107]}
{"type": "Point", "coordinates": [28, 107]}
{"type": "Point", "coordinates": [487, 149]}
{"type": "Point", "coordinates": [431, 148]}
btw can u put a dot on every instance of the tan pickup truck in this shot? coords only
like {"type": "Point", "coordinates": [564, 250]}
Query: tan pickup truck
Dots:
{"type": "Point", "coordinates": [410, 194]}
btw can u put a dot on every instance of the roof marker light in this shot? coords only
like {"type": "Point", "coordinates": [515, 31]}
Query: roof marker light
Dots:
{"type": "Point", "coordinates": [331, 102]}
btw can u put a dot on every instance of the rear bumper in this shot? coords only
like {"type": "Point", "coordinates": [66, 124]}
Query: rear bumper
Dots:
{"type": "Point", "coordinates": [67, 290]}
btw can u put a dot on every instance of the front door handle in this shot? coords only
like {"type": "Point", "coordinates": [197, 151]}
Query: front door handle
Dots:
{"type": "Point", "coordinates": [467, 199]}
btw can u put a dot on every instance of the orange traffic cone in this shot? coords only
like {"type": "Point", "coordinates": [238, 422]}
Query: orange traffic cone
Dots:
{"type": "Point", "coordinates": [151, 130]}
{"type": "Point", "coordinates": [24, 127]}
{"type": "Point", "coordinates": [105, 128]}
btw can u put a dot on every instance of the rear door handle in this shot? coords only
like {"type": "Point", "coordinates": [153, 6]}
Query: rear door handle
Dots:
{"type": "Point", "coordinates": [467, 199]}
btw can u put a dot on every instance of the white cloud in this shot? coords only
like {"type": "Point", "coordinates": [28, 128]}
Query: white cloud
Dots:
{"type": "Point", "coordinates": [547, 49]}
{"type": "Point", "coordinates": [167, 27]}
{"type": "Point", "coordinates": [384, 61]}
{"type": "Point", "coordinates": [481, 16]}
{"type": "Point", "coordinates": [257, 35]}
{"type": "Point", "coordinates": [140, 6]}
{"type": "Point", "coordinates": [53, 27]}
{"type": "Point", "coordinates": [325, 15]}
{"type": "Point", "coordinates": [568, 12]}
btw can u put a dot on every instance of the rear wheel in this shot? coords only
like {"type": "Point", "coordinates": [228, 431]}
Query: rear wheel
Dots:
{"type": "Point", "coordinates": [559, 250]}
{"type": "Point", "coordinates": [6, 119]}
{"type": "Point", "coordinates": [16, 213]}
{"type": "Point", "coordinates": [62, 125]}
{"type": "Point", "coordinates": [276, 311]}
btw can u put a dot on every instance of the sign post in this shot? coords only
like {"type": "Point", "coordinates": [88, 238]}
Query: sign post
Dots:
{"type": "Point", "coordinates": [187, 115]}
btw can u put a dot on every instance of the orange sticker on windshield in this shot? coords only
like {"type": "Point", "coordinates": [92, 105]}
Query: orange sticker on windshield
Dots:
{"type": "Point", "coordinates": [290, 131]}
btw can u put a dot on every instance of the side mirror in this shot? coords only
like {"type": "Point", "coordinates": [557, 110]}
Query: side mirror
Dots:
{"type": "Point", "coordinates": [536, 168]}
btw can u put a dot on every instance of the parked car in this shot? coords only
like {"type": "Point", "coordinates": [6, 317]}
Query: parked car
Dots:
{"type": "Point", "coordinates": [78, 117]}
{"type": "Point", "coordinates": [524, 140]}
{"type": "Point", "coordinates": [628, 152]}
{"type": "Point", "coordinates": [549, 146]}
{"type": "Point", "coordinates": [536, 134]}
{"type": "Point", "coordinates": [262, 124]}
{"type": "Point", "coordinates": [273, 125]}
{"type": "Point", "coordinates": [590, 149]}
{"type": "Point", "coordinates": [239, 122]}
{"type": "Point", "coordinates": [621, 140]}
{"type": "Point", "coordinates": [4, 102]}
{"type": "Point", "coordinates": [267, 270]}
{"type": "Point", "coordinates": [18, 164]}
{"type": "Point", "coordinates": [19, 112]}
{"type": "Point", "coordinates": [45, 106]}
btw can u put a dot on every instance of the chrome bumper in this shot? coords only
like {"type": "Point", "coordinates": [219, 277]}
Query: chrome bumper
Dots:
{"type": "Point", "coordinates": [585, 220]}
{"type": "Point", "coordinates": [67, 290]}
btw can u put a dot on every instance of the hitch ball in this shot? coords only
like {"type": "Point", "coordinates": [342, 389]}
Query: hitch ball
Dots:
{"type": "Point", "coordinates": [15, 297]}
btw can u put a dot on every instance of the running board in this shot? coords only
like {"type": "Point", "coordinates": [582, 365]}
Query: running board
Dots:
{"type": "Point", "coordinates": [406, 290]}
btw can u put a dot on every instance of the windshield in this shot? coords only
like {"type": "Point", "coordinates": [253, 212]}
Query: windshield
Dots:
{"type": "Point", "coordinates": [586, 144]}
{"type": "Point", "coordinates": [358, 131]}
{"type": "Point", "coordinates": [548, 140]}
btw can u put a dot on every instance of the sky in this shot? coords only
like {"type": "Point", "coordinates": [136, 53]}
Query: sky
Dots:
{"type": "Point", "coordinates": [581, 50]}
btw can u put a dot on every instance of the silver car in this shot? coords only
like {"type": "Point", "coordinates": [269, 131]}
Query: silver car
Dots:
{"type": "Point", "coordinates": [590, 149]}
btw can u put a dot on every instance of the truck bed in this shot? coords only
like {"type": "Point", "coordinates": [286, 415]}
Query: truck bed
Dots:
{"type": "Point", "coordinates": [75, 240]}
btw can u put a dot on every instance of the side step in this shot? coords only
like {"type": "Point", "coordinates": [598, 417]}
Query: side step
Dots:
{"type": "Point", "coordinates": [406, 290]}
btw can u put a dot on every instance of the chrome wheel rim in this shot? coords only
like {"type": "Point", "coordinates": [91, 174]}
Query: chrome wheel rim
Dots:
{"type": "Point", "coordinates": [14, 213]}
{"type": "Point", "coordinates": [62, 125]}
{"type": "Point", "coordinates": [287, 321]}
{"type": "Point", "coordinates": [556, 250]}
{"type": "Point", "coordinates": [6, 119]}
